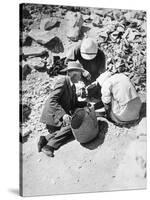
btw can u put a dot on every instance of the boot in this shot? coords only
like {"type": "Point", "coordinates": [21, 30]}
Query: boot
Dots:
{"type": "Point", "coordinates": [49, 151]}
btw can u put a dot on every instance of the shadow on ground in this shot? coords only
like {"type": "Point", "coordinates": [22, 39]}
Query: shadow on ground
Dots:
{"type": "Point", "coordinates": [143, 110]}
{"type": "Point", "coordinates": [84, 29]}
{"type": "Point", "coordinates": [14, 191]}
{"type": "Point", "coordinates": [99, 140]}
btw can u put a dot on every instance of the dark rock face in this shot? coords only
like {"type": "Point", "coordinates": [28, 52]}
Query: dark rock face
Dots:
{"type": "Point", "coordinates": [55, 45]}
{"type": "Point", "coordinates": [24, 71]}
{"type": "Point", "coordinates": [26, 14]}
{"type": "Point", "coordinates": [27, 41]}
{"type": "Point", "coordinates": [58, 64]}
{"type": "Point", "coordinates": [25, 111]}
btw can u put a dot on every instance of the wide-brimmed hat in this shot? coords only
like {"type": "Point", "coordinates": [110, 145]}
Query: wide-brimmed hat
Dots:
{"type": "Point", "coordinates": [73, 66]}
{"type": "Point", "coordinates": [88, 49]}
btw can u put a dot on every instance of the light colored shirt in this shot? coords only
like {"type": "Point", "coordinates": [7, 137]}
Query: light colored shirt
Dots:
{"type": "Point", "coordinates": [119, 90]}
{"type": "Point", "coordinates": [117, 87]}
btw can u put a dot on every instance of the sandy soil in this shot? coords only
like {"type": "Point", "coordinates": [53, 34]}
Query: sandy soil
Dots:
{"type": "Point", "coordinates": [115, 160]}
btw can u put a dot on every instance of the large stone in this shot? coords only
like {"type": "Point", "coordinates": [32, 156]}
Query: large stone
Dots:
{"type": "Point", "coordinates": [46, 38]}
{"type": "Point", "coordinates": [55, 45]}
{"type": "Point", "coordinates": [48, 23]}
{"type": "Point", "coordinates": [73, 33]}
{"type": "Point", "coordinates": [36, 57]}
{"type": "Point", "coordinates": [42, 37]}
{"type": "Point", "coordinates": [74, 22]}
{"type": "Point", "coordinates": [97, 21]}
{"type": "Point", "coordinates": [37, 63]}
{"type": "Point", "coordinates": [34, 51]}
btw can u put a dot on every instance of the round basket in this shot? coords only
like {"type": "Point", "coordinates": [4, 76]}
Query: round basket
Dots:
{"type": "Point", "coordinates": [84, 124]}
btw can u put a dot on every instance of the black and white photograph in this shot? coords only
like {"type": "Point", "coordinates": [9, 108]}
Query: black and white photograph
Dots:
{"type": "Point", "coordinates": [82, 78]}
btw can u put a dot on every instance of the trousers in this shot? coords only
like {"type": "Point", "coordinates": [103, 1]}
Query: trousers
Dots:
{"type": "Point", "coordinates": [126, 113]}
{"type": "Point", "coordinates": [59, 136]}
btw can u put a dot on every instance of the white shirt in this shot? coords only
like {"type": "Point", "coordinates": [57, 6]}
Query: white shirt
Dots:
{"type": "Point", "coordinates": [117, 87]}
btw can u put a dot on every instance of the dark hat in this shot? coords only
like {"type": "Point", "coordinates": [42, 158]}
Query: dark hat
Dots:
{"type": "Point", "coordinates": [73, 66]}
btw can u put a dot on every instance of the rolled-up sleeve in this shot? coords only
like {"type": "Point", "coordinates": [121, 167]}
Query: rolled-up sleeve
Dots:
{"type": "Point", "coordinates": [106, 92]}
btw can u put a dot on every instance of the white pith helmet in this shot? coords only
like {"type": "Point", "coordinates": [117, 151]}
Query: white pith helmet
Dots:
{"type": "Point", "coordinates": [88, 49]}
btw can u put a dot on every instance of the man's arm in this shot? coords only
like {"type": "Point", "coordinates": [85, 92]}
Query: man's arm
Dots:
{"type": "Point", "coordinates": [55, 97]}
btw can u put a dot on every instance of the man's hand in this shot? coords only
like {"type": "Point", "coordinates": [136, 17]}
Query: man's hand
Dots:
{"type": "Point", "coordinates": [87, 75]}
{"type": "Point", "coordinates": [66, 120]}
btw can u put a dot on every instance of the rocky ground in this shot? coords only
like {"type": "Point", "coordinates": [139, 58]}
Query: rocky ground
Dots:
{"type": "Point", "coordinates": [115, 160]}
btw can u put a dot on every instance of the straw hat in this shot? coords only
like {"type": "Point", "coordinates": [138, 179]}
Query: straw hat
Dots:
{"type": "Point", "coordinates": [88, 49]}
{"type": "Point", "coordinates": [73, 66]}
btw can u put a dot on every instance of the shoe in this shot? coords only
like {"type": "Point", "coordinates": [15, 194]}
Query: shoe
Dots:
{"type": "Point", "coordinates": [49, 151]}
{"type": "Point", "coordinates": [42, 142]}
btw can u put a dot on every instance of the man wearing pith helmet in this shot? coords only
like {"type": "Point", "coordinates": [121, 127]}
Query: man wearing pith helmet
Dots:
{"type": "Point", "coordinates": [90, 56]}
